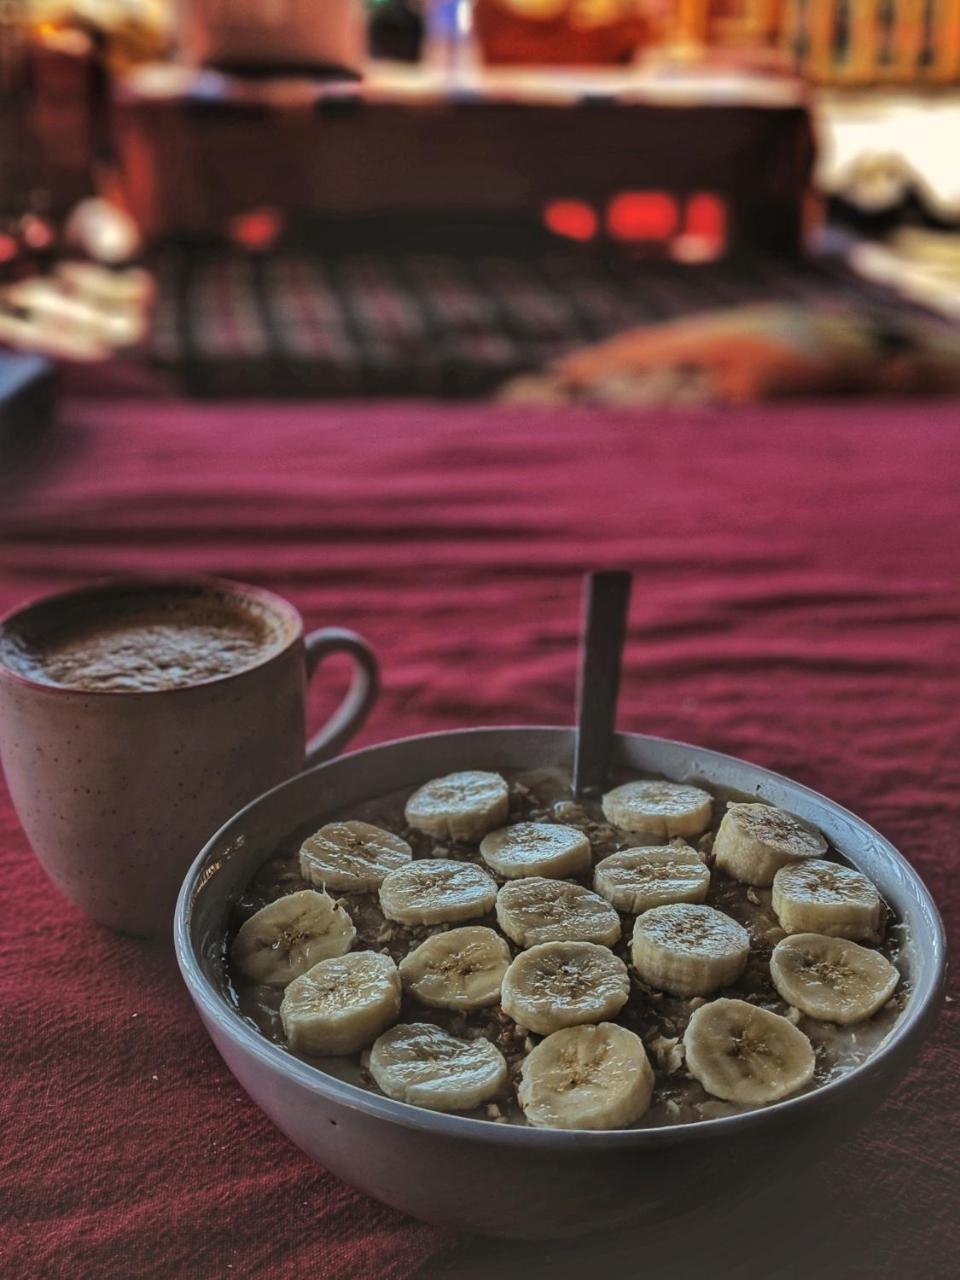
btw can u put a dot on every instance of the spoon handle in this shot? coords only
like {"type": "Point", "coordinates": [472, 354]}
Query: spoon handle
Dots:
{"type": "Point", "coordinates": [606, 600]}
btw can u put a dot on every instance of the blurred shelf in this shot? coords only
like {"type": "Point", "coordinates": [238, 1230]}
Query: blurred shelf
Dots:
{"type": "Point", "coordinates": [395, 82]}
{"type": "Point", "coordinates": [198, 148]}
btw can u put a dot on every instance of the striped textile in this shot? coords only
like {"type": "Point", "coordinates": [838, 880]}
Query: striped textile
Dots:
{"type": "Point", "coordinates": [433, 323]}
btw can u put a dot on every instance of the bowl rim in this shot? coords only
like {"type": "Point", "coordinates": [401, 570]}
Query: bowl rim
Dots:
{"type": "Point", "coordinates": [906, 1033]}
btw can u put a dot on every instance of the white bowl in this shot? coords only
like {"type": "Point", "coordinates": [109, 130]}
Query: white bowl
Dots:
{"type": "Point", "coordinates": [513, 1180]}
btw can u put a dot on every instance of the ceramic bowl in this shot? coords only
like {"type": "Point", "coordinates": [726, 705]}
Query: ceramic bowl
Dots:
{"type": "Point", "coordinates": [508, 1180]}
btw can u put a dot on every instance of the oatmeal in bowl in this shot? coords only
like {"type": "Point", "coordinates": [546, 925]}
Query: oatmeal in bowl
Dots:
{"type": "Point", "coordinates": [483, 944]}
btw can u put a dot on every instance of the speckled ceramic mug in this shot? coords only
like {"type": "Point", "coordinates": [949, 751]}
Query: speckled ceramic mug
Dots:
{"type": "Point", "coordinates": [117, 790]}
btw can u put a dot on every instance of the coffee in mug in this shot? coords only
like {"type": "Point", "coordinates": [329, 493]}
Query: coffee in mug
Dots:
{"type": "Point", "coordinates": [140, 642]}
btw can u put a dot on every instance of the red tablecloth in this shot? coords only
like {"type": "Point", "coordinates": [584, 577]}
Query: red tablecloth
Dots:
{"type": "Point", "coordinates": [796, 602]}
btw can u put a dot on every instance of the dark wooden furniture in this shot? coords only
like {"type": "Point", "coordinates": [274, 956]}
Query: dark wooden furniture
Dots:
{"type": "Point", "coordinates": [201, 148]}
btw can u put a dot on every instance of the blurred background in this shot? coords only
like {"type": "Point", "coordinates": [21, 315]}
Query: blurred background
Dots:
{"type": "Point", "coordinates": [639, 201]}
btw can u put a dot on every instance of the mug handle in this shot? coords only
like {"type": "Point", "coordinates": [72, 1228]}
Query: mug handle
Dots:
{"type": "Point", "coordinates": [357, 701]}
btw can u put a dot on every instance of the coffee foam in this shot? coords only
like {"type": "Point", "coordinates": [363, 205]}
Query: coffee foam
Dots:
{"type": "Point", "coordinates": [141, 640]}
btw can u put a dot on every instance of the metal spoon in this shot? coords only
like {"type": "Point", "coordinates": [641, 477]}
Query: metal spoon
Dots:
{"type": "Point", "coordinates": [606, 598]}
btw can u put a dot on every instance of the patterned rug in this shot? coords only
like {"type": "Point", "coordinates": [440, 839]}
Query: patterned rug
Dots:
{"type": "Point", "coordinates": [435, 321]}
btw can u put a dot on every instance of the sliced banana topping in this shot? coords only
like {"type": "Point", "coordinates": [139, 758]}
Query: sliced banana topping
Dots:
{"type": "Point", "coordinates": [688, 950]}
{"type": "Point", "coordinates": [746, 1055]}
{"type": "Point", "coordinates": [563, 984]}
{"type": "Point", "coordinates": [536, 849]}
{"type": "Point", "coordinates": [534, 910]}
{"type": "Point", "coordinates": [660, 808]}
{"type": "Point", "coordinates": [421, 1064]}
{"type": "Point", "coordinates": [340, 1006]}
{"type": "Point", "coordinates": [814, 896]}
{"type": "Point", "coordinates": [755, 840]}
{"type": "Point", "coordinates": [437, 891]}
{"type": "Point", "coordinates": [635, 880]}
{"type": "Point", "coordinates": [586, 1078]}
{"type": "Point", "coordinates": [459, 969]}
{"type": "Point", "coordinates": [550, 972]}
{"type": "Point", "coordinates": [352, 857]}
{"type": "Point", "coordinates": [461, 806]}
{"type": "Point", "coordinates": [831, 978]}
{"type": "Point", "coordinates": [286, 937]}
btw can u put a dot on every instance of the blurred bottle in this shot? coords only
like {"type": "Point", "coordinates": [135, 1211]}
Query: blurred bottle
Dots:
{"type": "Point", "coordinates": [395, 30]}
{"type": "Point", "coordinates": [66, 103]}
{"type": "Point", "coordinates": [566, 32]}
{"type": "Point", "coordinates": [13, 42]}
{"type": "Point", "coordinates": [21, 162]}
{"type": "Point", "coordinates": [449, 45]}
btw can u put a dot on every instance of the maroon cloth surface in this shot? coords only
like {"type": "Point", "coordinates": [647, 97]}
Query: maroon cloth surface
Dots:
{"type": "Point", "coordinates": [796, 602]}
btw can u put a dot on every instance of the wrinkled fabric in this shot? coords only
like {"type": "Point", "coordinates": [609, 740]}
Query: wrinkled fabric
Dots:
{"type": "Point", "coordinates": [796, 601]}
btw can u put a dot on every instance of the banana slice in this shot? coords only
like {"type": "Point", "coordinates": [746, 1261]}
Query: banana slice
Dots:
{"type": "Point", "coordinates": [661, 808]}
{"type": "Point", "coordinates": [352, 857]}
{"type": "Point", "coordinates": [340, 1006]}
{"type": "Point", "coordinates": [437, 891]}
{"type": "Point", "coordinates": [563, 984]}
{"type": "Point", "coordinates": [536, 849]}
{"type": "Point", "coordinates": [755, 840]}
{"type": "Point", "coordinates": [635, 880]}
{"type": "Point", "coordinates": [419, 1063]}
{"type": "Point", "coordinates": [535, 910]}
{"type": "Point", "coordinates": [746, 1055]}
{"type": "Point", "coordinates": [461, 806]}
{"type": "Point", "coordinates": [460, 969]}
{"type": "Point", "coordinates": [824, 897]}
{"type": "Point", "coordinates": [289, 936]}
{"type": "Point", "coordinates": [586, 1078]}
{"type": "Point", "coordinates": [832, 979]}
{"type": "Point", "coordinates": [688, 950]}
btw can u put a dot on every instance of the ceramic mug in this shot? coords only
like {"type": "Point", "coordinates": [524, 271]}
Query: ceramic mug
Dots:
{"type": "Point", "coordinates": [117, 790]}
